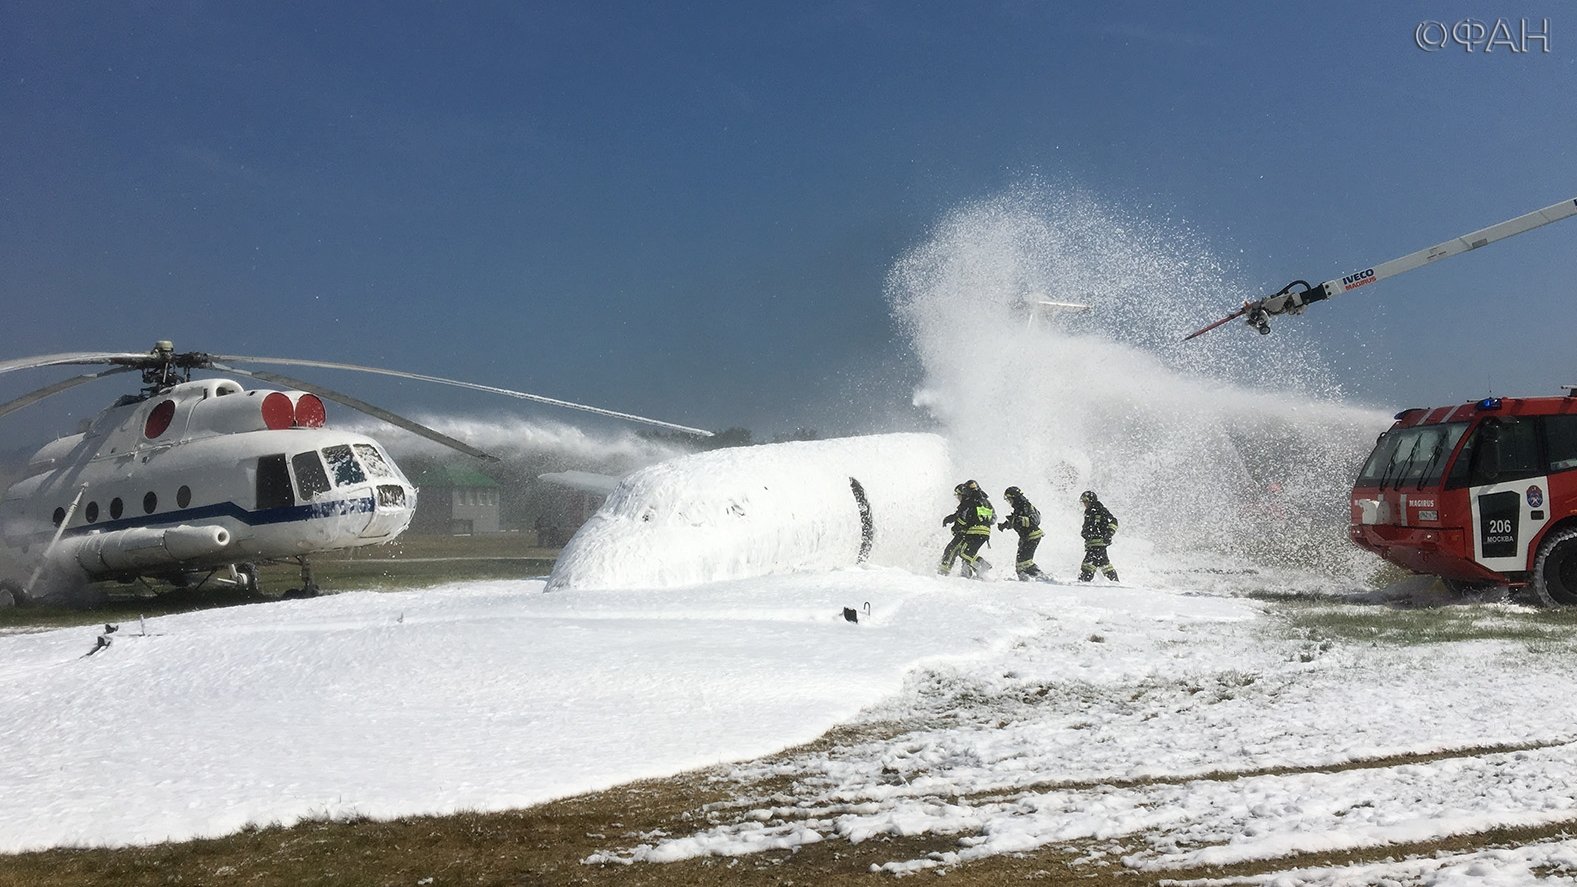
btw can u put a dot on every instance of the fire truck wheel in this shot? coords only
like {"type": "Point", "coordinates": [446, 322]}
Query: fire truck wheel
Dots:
{"type": "Point", "coordinates": [1555, 571]}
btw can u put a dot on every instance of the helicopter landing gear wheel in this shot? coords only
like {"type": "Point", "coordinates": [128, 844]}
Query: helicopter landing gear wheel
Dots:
{"type": "Point", "coordinates": [246, 578]}
{"type": "Point", "coordinates": [308, 587]}
{"type": "Point", "coordinates": [1555, 570]}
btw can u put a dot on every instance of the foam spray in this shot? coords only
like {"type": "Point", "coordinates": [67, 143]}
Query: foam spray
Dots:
{"type": "Point", "coordinates": [1229, 451]}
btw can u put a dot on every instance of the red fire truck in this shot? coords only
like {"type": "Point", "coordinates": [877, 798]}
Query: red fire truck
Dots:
{"type": "Point", "coordinates": [1480, 494]}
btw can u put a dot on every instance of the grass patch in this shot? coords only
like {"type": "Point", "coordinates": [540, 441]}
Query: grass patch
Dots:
{"type": "Point", "coordinates": [1413, 626]}
{"type": "Point", "coordinates": [394, 573]}
{"type": "Point", "coordinates": [545, 845]}
{"type": "Point", "coordinates": [541, 846]}
{"type": "Point", "coordinates": [411, 562]}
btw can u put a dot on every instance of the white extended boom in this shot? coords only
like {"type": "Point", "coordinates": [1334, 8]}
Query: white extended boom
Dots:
{"type": "Point", "coordinates": [1290, 301]}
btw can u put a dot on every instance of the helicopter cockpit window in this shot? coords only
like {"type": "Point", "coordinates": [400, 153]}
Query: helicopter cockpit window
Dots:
{"type": "Point", "coordinates": [311, 479]}
{"type": "Point", "coordinates": [273, 483]}
{"type": "Point", "coordinates": [376, 465]}
{"type": "Point", "coordinates": [343, 466]}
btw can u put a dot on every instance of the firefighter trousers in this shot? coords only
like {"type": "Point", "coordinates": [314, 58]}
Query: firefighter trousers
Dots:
{"type": "Point", "coordinates": [1024, 564]}
{"type": "Point", "coordinates": [965, 546]}
{"type": "Point", "coordinates": [1095, 559]}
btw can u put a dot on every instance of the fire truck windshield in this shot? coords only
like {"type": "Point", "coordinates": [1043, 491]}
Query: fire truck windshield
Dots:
{"type": "Point", "coordinates": [1411, 457]}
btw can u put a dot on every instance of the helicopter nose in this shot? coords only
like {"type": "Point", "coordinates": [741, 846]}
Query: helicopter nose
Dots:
{"type": "Point", "coordinates": [396, 504]}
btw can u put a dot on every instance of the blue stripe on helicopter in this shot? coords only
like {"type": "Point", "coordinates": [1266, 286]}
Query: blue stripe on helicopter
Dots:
{"type": "Point", "coordinates": [286, 514]}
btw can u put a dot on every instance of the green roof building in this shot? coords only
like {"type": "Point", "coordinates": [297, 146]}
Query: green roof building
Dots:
{"type": "Point", "coordinates": [456, 499]}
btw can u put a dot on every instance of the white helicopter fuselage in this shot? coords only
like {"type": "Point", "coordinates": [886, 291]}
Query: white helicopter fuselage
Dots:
{"type": "Point", "coordinates": [199, 476]}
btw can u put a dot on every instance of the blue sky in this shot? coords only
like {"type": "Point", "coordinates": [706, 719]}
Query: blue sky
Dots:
{"type": "Point", "coordinates": [687, 210]}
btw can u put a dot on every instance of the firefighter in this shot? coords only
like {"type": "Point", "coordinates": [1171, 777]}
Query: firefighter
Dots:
{"type": "Point", "coordinates": [1025, 520]}
{"type": "Point", "coordinates": [971, 525]}
{"type": "Point", "coordinates": [1099, 528]}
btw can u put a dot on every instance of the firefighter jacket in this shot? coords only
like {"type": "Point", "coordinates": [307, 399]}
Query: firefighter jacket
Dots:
{"type": "Point", "coordinates": [1025, 520]}
{"type": "Point", "coordinates": [1099, 526]}
{"type": "Point", "coordinates": [973, 517]}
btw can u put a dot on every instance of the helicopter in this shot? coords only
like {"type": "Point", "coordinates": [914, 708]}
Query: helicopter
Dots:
{"type": "Point", "coordinates": [193, 483]}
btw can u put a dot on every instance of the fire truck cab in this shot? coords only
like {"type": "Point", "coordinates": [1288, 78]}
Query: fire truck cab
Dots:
{"type": "Point", "coordinates": [1484, 493]}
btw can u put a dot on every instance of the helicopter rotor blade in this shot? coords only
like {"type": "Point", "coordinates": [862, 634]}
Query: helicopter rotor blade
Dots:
{"type": "Point", "coordinates": [362, 406]}
{"type": "Point", "coordinates": [507, 392]}
{"type": "Point", "coordinates": [164, 359]}
{"type": "Point", "coordinates": [33, 397]}
{"type": "Point", "coordinates": [129, 361]}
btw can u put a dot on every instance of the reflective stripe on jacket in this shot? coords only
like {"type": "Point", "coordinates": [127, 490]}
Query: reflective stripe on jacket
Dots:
{"type": "Point", "coordinates": [1099, 525]}
{"type": "Point", "coordinates": [979, 521]}
{"type": "Point", "coordinates": [1025, 520]}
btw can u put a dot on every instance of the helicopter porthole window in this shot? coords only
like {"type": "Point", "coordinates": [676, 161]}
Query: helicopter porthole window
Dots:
{"type": "Point", "coordinates": [149, 503]}
{"type": "Point", "coordinates": [183, 496]}
{"type": "Point", "coordinates": [60, 516]}
{"type": "Point", "coordinates": [93, 512]}
{"type": "Point", "coordinates": [116, 507]}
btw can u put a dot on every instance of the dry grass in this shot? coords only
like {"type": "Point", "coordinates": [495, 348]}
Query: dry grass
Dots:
{"type": "Point", "coordinates": [545, 845]}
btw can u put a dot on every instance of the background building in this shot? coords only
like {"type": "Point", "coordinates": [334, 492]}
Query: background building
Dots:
{"type": "Point", "coordinates": [456, 499]}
